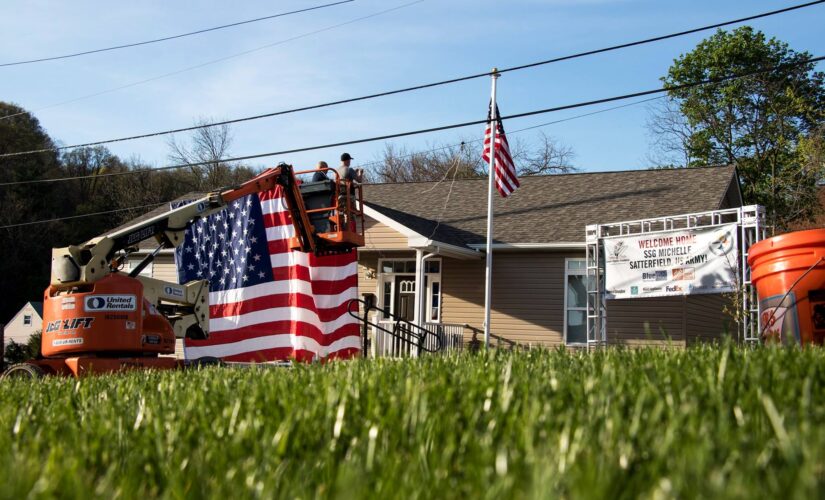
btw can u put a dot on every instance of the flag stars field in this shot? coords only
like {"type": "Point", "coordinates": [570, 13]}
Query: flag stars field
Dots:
{"type": "Point", "coordinates": [296, 306]}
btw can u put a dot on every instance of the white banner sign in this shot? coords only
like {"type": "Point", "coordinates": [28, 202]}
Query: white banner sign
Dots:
{"type": "Point", "coordinates": [684, 262]}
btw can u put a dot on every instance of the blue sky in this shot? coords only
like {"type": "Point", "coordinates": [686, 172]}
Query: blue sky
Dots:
{"type": "Point", "coordinates": [426, 41]}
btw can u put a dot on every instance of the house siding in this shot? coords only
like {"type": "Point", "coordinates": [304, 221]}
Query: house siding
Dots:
{"type": "Point", "coordinates": [527, 301]}
{"type": "Point", "coordinates": [708, 318]}
{"type": "Point", "coordinates": [528, 298]}
{"type": "Point", "coordinates": [677, 321]}
{"type": "Point", "coordinates": [648, 321]}
{"type": "Point", "coordinates": [380, 236]}
{"type": "Point", "coordinates": [16, 331]}
{"type": "Point", "coordinates": [528, 306]}
{"type": "Point", "coordinates": [164, 268]}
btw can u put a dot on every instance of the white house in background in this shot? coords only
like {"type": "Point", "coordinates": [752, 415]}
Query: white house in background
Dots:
{"type": "Point", "coordinates": [28, 320]}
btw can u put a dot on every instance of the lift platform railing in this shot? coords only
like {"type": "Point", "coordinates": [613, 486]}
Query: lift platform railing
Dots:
{"type": "Point", "coordinates": [406, 332]}
{"type": "Point", "coordinates": [335, 207]}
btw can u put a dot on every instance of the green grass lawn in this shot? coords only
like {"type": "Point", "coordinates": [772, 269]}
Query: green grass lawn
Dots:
{"type": "Point", "coordinates": [706, 421]}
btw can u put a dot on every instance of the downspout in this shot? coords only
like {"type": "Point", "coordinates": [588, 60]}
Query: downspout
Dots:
{"type": "Point", "coordinates": [418, 311]}
{"type": "Point", "coordinates": [419, 265]}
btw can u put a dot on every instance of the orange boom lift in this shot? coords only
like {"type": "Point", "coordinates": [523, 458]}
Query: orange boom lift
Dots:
{"type": "Point", "coordinates": [97, 319]}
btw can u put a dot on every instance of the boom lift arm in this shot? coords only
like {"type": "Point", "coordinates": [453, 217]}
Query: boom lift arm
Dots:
{"type": "Point", "coordinates": [84, 264]}
{"type": "Point", "coordinates": [186, 306]}
{"type": "Point", "coordinates": [97, 319]}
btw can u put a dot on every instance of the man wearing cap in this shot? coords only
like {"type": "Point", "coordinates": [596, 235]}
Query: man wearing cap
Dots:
{"type": "Point", "coordinates": [354, 177]}
{"type": "Point", "coordinates": [348, 173]}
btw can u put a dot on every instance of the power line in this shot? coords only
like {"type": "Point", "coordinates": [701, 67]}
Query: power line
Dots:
{"type": "Point", "coordinates": [176, 167]}
{"type": "Point", "coordinates": [417, 87]}
{"type": "Point", "coordinates": [435, 129]}
{"type": "Point", "coordinates": [513, 132]}
{"type": "Point", "coordinates": [173, 37]}
{"type": "Point", "coordinates": [665, 37]}
{"type": "Point", "coordinates": [58, 219]}
{"type": "Point", "coordinates": [215, 61]}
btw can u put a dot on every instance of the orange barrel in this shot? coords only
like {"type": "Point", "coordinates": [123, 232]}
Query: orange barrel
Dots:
{"type": "Point", "coordinates": [789, 274]}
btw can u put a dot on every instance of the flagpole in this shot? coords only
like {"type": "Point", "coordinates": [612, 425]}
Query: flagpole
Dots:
{"type": "Point", "coordinates": [488, 291]}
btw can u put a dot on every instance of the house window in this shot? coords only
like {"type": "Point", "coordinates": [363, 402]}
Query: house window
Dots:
{"type": "Point", "coordinates": [575, 302]}
{"type": "Point", "coordinates": [386, 303]}
{"type": "Point", "coordinates": [133, 263]}
{"type": "Point", "coordinates": [399, 266]}
{"type": "Point", "coordinates": [435, 302]}
{"type": "Point", "coordinates": [27, 319]}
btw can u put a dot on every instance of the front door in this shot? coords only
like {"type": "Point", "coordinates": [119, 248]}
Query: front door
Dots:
{"type": "Point", "coordinates": [404, 298]}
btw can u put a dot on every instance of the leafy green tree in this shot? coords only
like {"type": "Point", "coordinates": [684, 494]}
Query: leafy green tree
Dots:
{"type": "Point", "coordinates": [756, 123]}
{"type": "Point", "coordinates": [16, 353]}
{"type": "Point", "coordinates": [34, 344]}
{"type": "Point", "coordinates": [25, 249]}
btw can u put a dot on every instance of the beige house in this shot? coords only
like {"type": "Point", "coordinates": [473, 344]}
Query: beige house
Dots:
{"type": "Point", "coordinates": [425, 245]}
{"type": "Point", "coordinates": [539, 254]}
{"type": "Point", "coordinates": [27, 321]}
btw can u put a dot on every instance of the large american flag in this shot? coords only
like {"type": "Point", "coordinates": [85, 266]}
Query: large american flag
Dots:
{"type": "Point", "coordinates": [505, 170]}
{"type": "Point", "coordinates": [267, 303]}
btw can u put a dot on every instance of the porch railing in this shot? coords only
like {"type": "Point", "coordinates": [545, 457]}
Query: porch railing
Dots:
{"type": "Point", "coordinates": [398, 337]}
{"type": "Point", "coordinates": [443, 337]}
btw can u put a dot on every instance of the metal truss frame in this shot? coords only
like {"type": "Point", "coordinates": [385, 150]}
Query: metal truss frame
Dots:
{"type": "Point", "coordinates": [750, 221]}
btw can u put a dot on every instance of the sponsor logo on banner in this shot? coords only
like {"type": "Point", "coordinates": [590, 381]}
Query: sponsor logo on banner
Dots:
{"type": "Point", "coordinates": [683, 273]}
{"type": "Point", "coordinates": [110, 303]}
{"type": "Point", "coordinates": [655, 276]}
{"type": "Point", "coordinates": [617, 253]}
{"type": "Point", "coordinates": [722, 243]}
{"type": "Point", "coordinates": [672, 263]}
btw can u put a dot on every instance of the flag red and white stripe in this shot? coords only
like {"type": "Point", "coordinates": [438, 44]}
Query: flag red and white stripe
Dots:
{"type": "Point", "coordinates": [505, 170]}
{"type": "Point", "coordinates": [298, 311]}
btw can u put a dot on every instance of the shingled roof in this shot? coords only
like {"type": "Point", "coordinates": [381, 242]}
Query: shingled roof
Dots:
{"type": "Point", "coordinates": [546, 209]}
{"type": "Point", "coordinates": [553, 208]}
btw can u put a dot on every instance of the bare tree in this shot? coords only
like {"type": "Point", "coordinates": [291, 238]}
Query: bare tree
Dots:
{"type": "Point", "coordinates": [548, 156]}
{"type": "Point", "coordinates": [207, 146]}
{"type": "Point", "coordinates": [464, 161]}
{"type": "Point", "coordinates": [670, 135]}
{"type": "Point", "coordinates": [399, 165]}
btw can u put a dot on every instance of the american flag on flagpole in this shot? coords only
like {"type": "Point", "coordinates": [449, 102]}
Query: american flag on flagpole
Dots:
{"type": "Point", "coordinates": [505, 170]}
{"type": "Point", "coordinates": [268, 303]}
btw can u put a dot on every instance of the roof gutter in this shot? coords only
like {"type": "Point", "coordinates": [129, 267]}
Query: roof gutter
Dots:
{"type": "Point", "coordinates": [417, 240]}
{"type": "Point", "coordinates": [562, 245]}
{"type": "Point", "coordinates": [445, 249]}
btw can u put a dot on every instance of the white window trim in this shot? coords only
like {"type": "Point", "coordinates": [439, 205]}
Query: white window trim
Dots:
{"type": "Point", "coordinates": [434, 278]}
{"type": "Point", "coordinates": [147, 271]}
{"type": "Point", "coordinates": [430, 277]}
{"type": "Point", "coordinates": [567, 273]}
